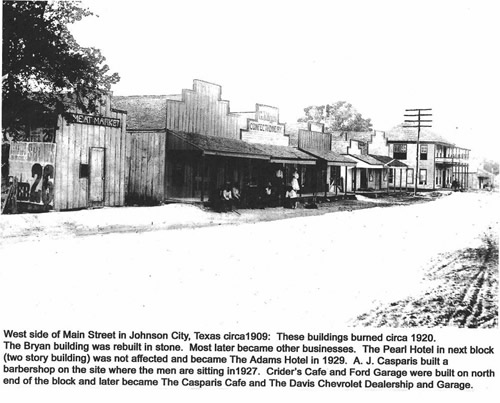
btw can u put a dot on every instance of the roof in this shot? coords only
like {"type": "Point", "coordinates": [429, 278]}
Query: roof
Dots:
{"type": "Point", "coordinates": [388, 161]}
{"type": "Point", "coordinates": [213, 145]}
{"type": "Point", "coordinates": [144, 112]}
{"type": "Point", "coordinates": [400, 134]}
{"type": "Point", "coordinates": [331, 157]}
{"type": "Point", "coordinates": [285, 154]}
{"type": "Point", "coordinates": [367, 161]}
{"type": "Point", "coordinates": [484, 174]}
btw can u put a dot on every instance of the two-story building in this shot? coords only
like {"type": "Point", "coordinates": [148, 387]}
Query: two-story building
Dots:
{"type": "Point", "coordinates": [440, 162]}
{"type": "Point", "coordinates": [375, 169]}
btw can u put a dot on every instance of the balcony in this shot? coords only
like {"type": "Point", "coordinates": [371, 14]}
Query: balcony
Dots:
{"type": "Point", "coordinates": [445, 160]}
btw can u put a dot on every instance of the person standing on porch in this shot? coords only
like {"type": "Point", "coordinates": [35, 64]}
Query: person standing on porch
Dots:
{"type": "Point", "coordinates": [295, 181]}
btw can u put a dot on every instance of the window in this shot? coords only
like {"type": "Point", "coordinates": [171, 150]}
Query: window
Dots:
{"type": "Point", "coordinates": [422, 179]}
{"type": "Point", "coordinates": [399, 151]}
{"type": "Point", "coordinates": [84, 170]}
{"type": "Point", "coordinates": [363, 147]}
{"type": "Point", "coordinates": [391, 176]}
{"type": "Point", "coordinates": [370, 175]}
{"type": "Point", "coordinates": [423, 152]}
{"type": "Point", "coordinates": [409, 176]}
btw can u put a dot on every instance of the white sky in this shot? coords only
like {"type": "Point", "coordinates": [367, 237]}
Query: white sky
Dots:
{"type": "Point", "coordinates": [382, 56]}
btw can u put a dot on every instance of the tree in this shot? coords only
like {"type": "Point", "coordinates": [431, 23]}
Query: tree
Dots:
{"type": "Point", "coordinates": [44, 70]}
{"type": "Point", "coordinates": [339, 116]}
{"type": "Point", "coordinates": [491, 166]}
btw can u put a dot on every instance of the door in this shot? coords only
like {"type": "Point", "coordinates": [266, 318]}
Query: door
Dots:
{"type": "Point", "coordinates": [363, 179]}
{"type": "Point", "coordinates": [96, 174]}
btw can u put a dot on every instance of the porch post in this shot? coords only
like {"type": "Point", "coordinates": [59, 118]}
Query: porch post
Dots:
{"type": "Point", "coordinates": [202, 168]}
{"type": "Point", "coordinates": [400, 180]}
{"type": "Point", "coordinates": [337, 180]}
{"type": "Point", "coordinates": [355, 173]}
{"type": "Point", "coordinates": [326, 180]}
{"type": "Point", "coordinates": [394, 173]}
{"type": "Point", "coordinates": [345, 181]}
{"type": "Point", "coordinates": [394, 179]}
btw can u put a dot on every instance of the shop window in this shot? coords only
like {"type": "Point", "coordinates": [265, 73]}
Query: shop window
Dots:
{"type": "Point", "coordinates": [422, 179]}
{"type": "Point", "coordinates": [423, 152]}
{"type": "Point", "coordinates": [399, 151]}
{"type": "Point", "coordinates": [409, 176]}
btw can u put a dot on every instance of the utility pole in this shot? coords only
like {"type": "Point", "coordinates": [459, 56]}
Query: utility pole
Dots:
{"type": "Point", "coordinates": [417, 124]}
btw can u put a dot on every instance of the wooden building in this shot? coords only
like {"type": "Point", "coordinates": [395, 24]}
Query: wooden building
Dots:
{"type": "Point", "coordinates": [375, 170]}
{"type": "Point", "coordinates": [187, 146]}
{"type": "Point", "coordinates": [331, 167]}
{"type": "Point", "coordinates": [440, 162]}
{"type": "Point", "coordinates": [78, 163]}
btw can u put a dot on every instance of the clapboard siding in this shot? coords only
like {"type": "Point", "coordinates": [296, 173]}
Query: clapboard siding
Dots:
{"type": "Point", "coordinates": [74, 141]}
{"type": "Point", "coordinates": [202, 111]}
{"type": "Point", "coordinates": [314, 140]}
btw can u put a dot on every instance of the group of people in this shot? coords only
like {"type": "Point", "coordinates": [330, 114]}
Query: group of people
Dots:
{"type": "Point", "coordinates": [230, 196]}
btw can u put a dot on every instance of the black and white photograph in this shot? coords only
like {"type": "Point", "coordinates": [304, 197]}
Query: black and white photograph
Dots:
{"type": "Point", "coordinates": [232, 200]}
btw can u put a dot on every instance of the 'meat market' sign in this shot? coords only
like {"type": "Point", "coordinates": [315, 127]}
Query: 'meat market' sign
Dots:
{"type": "Point", "coordinates": [94, 120]}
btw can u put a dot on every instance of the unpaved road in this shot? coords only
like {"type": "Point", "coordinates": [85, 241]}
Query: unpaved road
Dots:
{"type": "Point", "coordinates": [463, 292]}
{"type": "Point", "coordinates": [312, 272]}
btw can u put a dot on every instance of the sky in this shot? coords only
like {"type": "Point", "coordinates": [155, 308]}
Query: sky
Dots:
{"type": "Point", "coordinates": [382, 56]}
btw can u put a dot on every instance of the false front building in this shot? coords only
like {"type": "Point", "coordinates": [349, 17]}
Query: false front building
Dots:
{"type": "Point", "coordinates": [71, 162]}
{"type": "Point", "coordinates": [188, 146]}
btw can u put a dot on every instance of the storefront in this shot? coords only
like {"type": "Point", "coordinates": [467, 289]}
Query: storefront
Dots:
{"type": "Point", "coordinates": [81, 165]}
{"type": "Point", "coordinates": [186, 147]}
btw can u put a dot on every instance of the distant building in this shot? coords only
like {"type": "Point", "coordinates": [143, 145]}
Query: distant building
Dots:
{"type": "Point", "coordinates": [441, 162]}
{"type": "Point", "coordinates": [481, 179]}
{"type": "Point", "coordinates": [331, 167]}
{"type": "Point", "coordinates": [375, 168]}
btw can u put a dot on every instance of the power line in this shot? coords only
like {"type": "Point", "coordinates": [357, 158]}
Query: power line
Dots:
{"type": "Point", "coordinates": [417, 124]}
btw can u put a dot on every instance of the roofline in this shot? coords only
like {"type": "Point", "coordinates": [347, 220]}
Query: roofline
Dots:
{"type": "Point", "coordinates": [422, 141]}
{"type": "Point", "coordinates": [146, 130]}
{"type": "Point", "coordinates": [359, 159]}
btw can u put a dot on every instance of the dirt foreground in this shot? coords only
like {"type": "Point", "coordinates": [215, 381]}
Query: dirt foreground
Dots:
{"type": "Point", "coordinates": [25, 227]}
{"type": "Point", "coordinates": [463, 292]}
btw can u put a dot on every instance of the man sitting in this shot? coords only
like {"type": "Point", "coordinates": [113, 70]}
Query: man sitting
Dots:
{"type": "Point", "coordinates": [226, 198]}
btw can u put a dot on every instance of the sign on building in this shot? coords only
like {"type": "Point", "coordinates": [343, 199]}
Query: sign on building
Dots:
{"type": "Point", "coordinates": [265, 128]}
{"type": "Point", "coordinates": [33, 164]}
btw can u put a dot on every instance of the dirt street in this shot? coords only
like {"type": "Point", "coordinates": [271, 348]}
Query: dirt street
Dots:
{"type": "Point", "coordinates": [315, 271]}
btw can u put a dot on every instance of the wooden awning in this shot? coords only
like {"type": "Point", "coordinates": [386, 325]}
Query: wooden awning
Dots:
{"type": "Point", "coordinates": [331, 157]}
{"type": "Point", "coordinates": [212, 145]}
